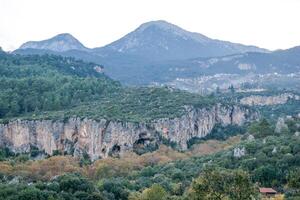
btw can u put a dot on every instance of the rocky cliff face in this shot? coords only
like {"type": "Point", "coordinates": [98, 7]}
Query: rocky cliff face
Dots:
{"type": "Point", "coordinates": [103, 137]}
{"type": "Point", "coordinates": [268, 100]}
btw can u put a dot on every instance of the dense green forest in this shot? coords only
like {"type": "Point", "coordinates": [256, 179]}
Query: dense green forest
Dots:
{"type": "Point", "coordinates": [40, 83]}
{"type": "Point", "coordinates": [55, 87]}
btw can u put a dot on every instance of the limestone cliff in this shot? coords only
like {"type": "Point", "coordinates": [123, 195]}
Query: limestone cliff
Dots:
{"type": "Point", "coordinates": [268, 100]}
{"type": "Point", "coordinates": [100, 138]}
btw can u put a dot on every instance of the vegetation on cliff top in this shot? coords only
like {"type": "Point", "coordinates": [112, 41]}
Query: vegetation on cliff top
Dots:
{"type": "Point", "coordinates": [53, 87]}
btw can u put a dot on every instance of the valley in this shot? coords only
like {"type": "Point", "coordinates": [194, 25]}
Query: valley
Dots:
{"type": "Point", "coordinates": [162, 113]}
{"type": "Point", "coordinates": [63, 121]}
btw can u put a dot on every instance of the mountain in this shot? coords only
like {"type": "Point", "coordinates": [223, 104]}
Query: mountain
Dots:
{"type": "Point", "coordinates": [282, 62]}
{"type": "Point", "coordinates": [155, 40]}
{"type": "Point", "coordinates": [59, 43]}
{"type": "Point", "coordinates": [158, 52]}
{"type": "Point", "coordinates": [160, 40]}
{"type": "Point", "coordinates": [279, 69]}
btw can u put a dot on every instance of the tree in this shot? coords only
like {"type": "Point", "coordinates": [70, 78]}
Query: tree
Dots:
{"type": "Point", "coordinates": [218, 90]}
{"type": "Point", "coordinates": [117, 187]}
{"type": "Point", "coordinates": [211, 184]}
{"type": "Point", "coordinates": [294, 179]}
{"type": "Point", "coordinates": [31, 193]}
{"type": "Point", "coordinates": [265, 175]}
{"type": "Point", "coordinates": [74, 182]}
{"type": "Point", "coordinates": [135, 196]}
{"type": "Point", "coordinates": [241, 186]}
{"type": "Point", "coordinates": [261, 129]}
{"type": "Point", "coordinates": [293, 182]}
{"type": "Point", "coordinates": [14, 107]}
{"type": "Point", "coordinates": [222, 184]}
{"type": "Point", "coordinates": [4, 108]}
{"type": "Point", "coordinates": [155, 192]}
{"type": "Point", "coordinates": [231, 89]}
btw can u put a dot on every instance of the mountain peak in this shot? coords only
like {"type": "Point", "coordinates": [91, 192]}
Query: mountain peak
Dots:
{"type": "Point", "coordinates": [161, 40]}
{"type": "Point", "coordinates": [172, 29]}
{"type": "Point", "coordinates": [159, 23]}
{"type": "Point", "coordinates": [60, 43]}
{"type": "Point", "coordinates": [64, 36]}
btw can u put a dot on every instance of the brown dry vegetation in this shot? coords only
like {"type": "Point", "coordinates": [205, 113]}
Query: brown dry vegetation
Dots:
{"type": "Point", "coordinates": [42, 169]}
{"type": "Point", "coordinates": [130, 161]}
{"type": "Point", "coordinates": [5, 167]}
{"type": "Point", "coordinates": [46, 169]}
{"type": "Point", "coordinates": [213, 146]}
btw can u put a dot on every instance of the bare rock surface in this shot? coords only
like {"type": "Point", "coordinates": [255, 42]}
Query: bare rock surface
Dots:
{"type": "Point", "coordinates": [239, 152]}
{"type": "Point", "coordinates": [268, 100]}
{"type": "Point", "coordinates": [280, 125]}
{"type": "Point", "coordinates": [101, 138]}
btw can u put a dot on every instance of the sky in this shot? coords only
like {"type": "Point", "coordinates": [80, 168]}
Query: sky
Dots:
{"type": "Point", "coordinates": [271, 24]}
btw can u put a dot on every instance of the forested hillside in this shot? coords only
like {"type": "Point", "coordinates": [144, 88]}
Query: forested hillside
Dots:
{"type": "Point", "coordinates": [42, 83]}
{"type": "Point", "coordinates": [53, 86]}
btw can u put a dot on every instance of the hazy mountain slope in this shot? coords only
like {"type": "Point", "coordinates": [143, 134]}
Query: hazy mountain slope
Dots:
{"type": "Point", "coordinates": [283, 61]}
{"type": "Point", "coordinates": [158, 52]}
{"type": "Point", "coordinates": [135, 70]}
{"type": "Point", "coordinates": [124, 68]}
{"type": "Point", "coordinates": [160, 40]}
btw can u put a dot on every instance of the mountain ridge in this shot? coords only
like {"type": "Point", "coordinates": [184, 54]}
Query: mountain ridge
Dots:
{"type": "Point", "coordinates": [158, 52]}
{"type": "Point", "coordinates": [154, 34]}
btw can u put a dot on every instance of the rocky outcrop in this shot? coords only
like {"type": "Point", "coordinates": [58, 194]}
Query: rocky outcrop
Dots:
{"type": "Point", "coordinates": [101, 138]}
{"type": "Point", "coordinates": [239, 152]}
{"type": "Point", "coordinates": [250, 138]}
{"type": "Point", "coordinates": [280, 125]}
{"type": "Point", "coordinates": [268, 100]}
{"type": "Point", "coordinates": [274, 150]}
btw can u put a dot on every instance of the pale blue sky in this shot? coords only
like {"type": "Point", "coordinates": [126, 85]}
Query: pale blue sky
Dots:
{"type": "Point", "coordinates": [270, 24]}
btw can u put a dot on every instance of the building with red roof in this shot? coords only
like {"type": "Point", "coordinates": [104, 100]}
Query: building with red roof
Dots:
{"type": "Point", "coordinates": [268, 192]}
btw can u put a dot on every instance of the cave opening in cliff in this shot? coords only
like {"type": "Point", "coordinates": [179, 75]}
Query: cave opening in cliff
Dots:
{"type": "Point", "coordinates": [115, 150]}
{"type": "Point", "coordinates": [144, 145]}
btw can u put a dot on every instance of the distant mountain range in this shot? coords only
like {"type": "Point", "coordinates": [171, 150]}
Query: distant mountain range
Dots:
{"type": "Point", "coordinates": [282, 61]}
{"type": "Point", "coordinates": [156, 40]}
{"type": "Point", "coordinates": [158, 52]}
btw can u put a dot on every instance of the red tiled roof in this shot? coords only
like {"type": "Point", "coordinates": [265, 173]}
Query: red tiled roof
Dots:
{"type": "Point", "coordinates": [267, 190]}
